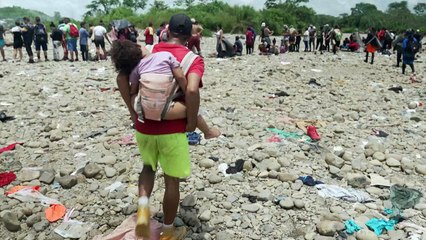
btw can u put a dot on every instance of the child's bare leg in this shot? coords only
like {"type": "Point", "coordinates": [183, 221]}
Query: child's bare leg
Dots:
{"type": "Point", "coordinates": [177, 111]}
{"type": "Point", "coordinates": [208, 132]}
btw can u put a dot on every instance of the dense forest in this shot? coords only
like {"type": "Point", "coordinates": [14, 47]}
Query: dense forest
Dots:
{"type": "Point", "coordinates": [235, 18]}
{"type": "Point", "coordinates": [11, 14]}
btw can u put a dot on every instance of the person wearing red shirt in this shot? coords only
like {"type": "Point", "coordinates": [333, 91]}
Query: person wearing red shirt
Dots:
{"type": "Point", "coordinates": [149, 35]}
{"type": "Point", "coordinates": [249, 41]}
{"type": "Point", "coordinates": [165, 141]}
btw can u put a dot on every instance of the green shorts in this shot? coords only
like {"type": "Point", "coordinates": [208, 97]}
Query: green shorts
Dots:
{"type": "Point", "coordinates": [170, 150]}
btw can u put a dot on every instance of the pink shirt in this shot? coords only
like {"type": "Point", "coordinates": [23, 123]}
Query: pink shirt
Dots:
{"type": "Point", "coordinates": [158, 63]}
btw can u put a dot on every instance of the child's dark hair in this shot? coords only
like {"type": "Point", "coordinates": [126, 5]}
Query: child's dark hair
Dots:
{"type": "Point", "coordinates": [125, 55]}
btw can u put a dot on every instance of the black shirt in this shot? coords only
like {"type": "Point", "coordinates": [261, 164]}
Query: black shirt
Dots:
{"type": "Point", "coordinates": [56, 35]}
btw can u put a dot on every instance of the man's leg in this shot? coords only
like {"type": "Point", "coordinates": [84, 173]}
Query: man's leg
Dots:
{"type": "Point", "coordinates": [2, 53]}
{"type": "Point", "coordinates": [403, 68]}
{"type": "Point", "coordinates": [171, 199]}
{"type": "Point", "coordinates": [412, 67]}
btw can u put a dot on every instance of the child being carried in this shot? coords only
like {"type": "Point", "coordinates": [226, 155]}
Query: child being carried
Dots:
{"type": "Point", "coordinates": [154, 84]}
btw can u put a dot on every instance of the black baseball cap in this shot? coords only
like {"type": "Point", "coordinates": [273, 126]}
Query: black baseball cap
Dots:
{"type": "Point", "coordinates": [181, 24]}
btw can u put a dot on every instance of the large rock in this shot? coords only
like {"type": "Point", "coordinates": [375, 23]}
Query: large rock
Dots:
{"type": "Point", "coordinates": [68, 182]}
{"type": "Point", "coordinates": [207, 163]}
{"type": "Point", "coordinates": [421, 169]}
{"type": "Point", "coordinates": [357, 180]}
{"type": "Point", "coordinates": [91, 170]}
{"type": "Point", "coordinates": [329, 228]}
{"type": "Point", "coordinates": [333, 160]}
{"type": "Point", "coordinates": [189, 201]}
{"type": "Point", "coordinates": [47, 177]}
{"type": "Point", "coordinates": [28, 175]}
{"type": "Point", "coordinates": [287, 177]}
{"type": "Point", "coordinates": [11, 222]}
{"type": "Point", "coordinates": [365, 234]}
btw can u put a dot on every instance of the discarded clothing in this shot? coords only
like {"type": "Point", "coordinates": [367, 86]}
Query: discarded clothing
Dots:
{"type": "Point", "coordinates": [251, 198]}
{"type": "Point", "coordinates": [388, 211]}
{"type": "Point", "coordinates": [222, 168]}
{"type": "Point", "coordinates": [193, 138]}
{"type": "Point", "coordinates": [292, 135]}
{"type": "Point", "coordinates": [5, 118]}
{"type": "Point", "coordinates": [274, 139]}
{"type": "Point", "coordinates": [350, 195]}
{"type": "Point", "coordinates": [281, 94]}
{"type": "Point", "coordinates": [126, 230]}
{"type": "Point", "coordinates": [9, 147]}
{"type": "Point", "coordinates": [308, 180]}
{"type": "Point", "coordinates": [378, 225]}
{"type": "Point", "coordinates": [29, 194]}
{"type": "Point", "coordinates": [18, 188]}
{"type": "Point", "coordinates": [352, 227]}
{"type": "Point", "coordinates": [403, 198]}
{"type": "Point", "coordinates": [239, 165]}
{"type": "Point", "coordinates": [6, 178]}
{"type": "Point", "coordinates": [396, 89]}
{"type": "Point", "coordinates": [73, 229]}
{"type": "Point", "coordinates": [379, 133]}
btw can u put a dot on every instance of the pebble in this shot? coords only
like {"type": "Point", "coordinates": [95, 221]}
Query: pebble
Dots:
{"type": "Point", "coordinates": [110, 172]}
{"type": "Point", "coordinates": [287, 177]}
{"type": "Point", "coordinates": [251, 207]}
{"type": "Point", "coordinates": [47, 177]}
{"type": "Point", "coordinates": [357, 180]}
{"type": "Point", "coordinates": [28, 175]}
{"type": "Point", "coordinates": [207, 163]}
{"type": "Point", "coordinates": [391, 162]}
{"type": "Point", "coordinates": [329, 228]}
{"type": "Point", "coordinates": [206, 215]}
{"type": "Point", "coordinates": [365, 234]}
{"type": "Point", "coordinates": [189, 201]}
{"type": "Point", "coordinates": [214, 178]}
{"type": "Point", "coordinates": [421, 169]}
{"type": "Point", "coordinates": [287, 203]}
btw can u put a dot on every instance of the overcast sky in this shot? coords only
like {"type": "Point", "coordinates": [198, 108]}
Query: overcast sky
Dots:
{"type": "Point", "coordinates": [76, 8]}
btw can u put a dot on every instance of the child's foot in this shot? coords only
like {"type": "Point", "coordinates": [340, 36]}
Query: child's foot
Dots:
{"type": "Point", "coordinates": [143, 218]}
{"type": "Point", "coordinates": [173, 233]}
{"type": "Point", "coordinates": [213, 133]}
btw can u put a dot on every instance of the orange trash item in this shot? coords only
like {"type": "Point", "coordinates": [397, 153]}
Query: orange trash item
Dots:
{"type": "Point", "coordinates": [55, 212]}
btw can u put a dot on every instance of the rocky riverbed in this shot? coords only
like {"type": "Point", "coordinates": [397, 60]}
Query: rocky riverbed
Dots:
{"type": "Point", "coordinates": [74, 128]}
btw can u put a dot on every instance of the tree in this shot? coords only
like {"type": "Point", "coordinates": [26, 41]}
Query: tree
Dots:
{"type": "Point", "coordinates": [398, 8]}
{"type": "Point", "coordinates": [158, 5]}
{"type": "Point", "coordinates": [420, 9]}
{"type": "Point", "coordinates": [363, 8]}
{"type": "Point", "coordinates": [56, 16]}
{"type": "Point", "coordinates": [296, 2]}
{"type": "Point", "coordinates": [135, 4]}
{"type": "Point", "coordinates": [184, 3]}
{"type": "Point", "coordinates": [101, 6]}
{"type": "Point", "coordinates": [270, 4]}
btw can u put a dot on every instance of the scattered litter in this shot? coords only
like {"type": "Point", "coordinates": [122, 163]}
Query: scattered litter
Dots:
{"type": "Point", "coordinates": [126, 140]}
{"type": "Point", "coordinates": [55, 212]}
{"type": "Point", "coordinates": [351, 195]}
{"type": "Point", "coordinates": [293, 135]}
{"type": "Point", "coordinates": [313, 82]}
{"type": "Point", "coordinates": [251, 198]}
{"type": "Point", "coordinates": [379, 133]}
{"type": "Point", "coordinates": [126, 230]}
{"type": "Point", "coordinates": [309, 181]}
{"type": "Point", "coordinates": [222, 168]}
{"type": "Point", "coordinates": [352, 227]}
{"type": "Point", "coordinates": [377, 180]}
{"type": "Point", "coordinates": [312, 133]}
{"type": "Point", "coordinates": [388, 211]}
{"type": "Point", "coordinates": [114, 186]}
{"type": "Point", "coordinates": [279, 198]}
{"type": "Point", "coordinates": [73, 229]}
{"type": "Point", "coordinates": [214, 158]}
{"type": "Point", "coordinates": [403, 198]}
{"type": "Point", "coordinates": [5, 104]}
{"type": "Point", "coordinates": [9, 147]}
{"type": "Point", "coordinates": [32, 195]}
{"type": "Point", "coordinates": [285, 63]}
{"type": "Point", "coordinates": [274, 139]}
{"type": "Point", "coordinates": [6, 178]}
{"type": "Point", "coordinates": [397, 89]}
{"type": "Point", "coordinates": [193, 138]}
{"type": "Point", "coordinates": [5, 118]}
{"type": "Point", "coordinates": [239, 165]}
{"type": "Point", "coordinates": [316, 70]}
{"type": "Point", "coordinates": [378, 225]}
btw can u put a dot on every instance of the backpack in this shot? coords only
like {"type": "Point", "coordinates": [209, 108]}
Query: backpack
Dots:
{"type": "Point", "coordinates": [412, 46]}
{"type": "Point", "coordinates": [73, 31]}
{"type": "Point", "coordinates": [40, 33]}
{"type": "Point", "coordinates": [157, 91]}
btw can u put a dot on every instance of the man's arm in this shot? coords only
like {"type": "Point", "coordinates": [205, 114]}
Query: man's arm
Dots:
{"type": "Point", "coordinates": [192, 101]}
{"type": "Point", "coordinates": [106, 36]}
{"type": "Point", "coordinates": [124, 88]}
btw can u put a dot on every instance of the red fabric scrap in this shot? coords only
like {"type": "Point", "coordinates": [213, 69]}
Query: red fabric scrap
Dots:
{"type": "Point", "coordinates": [9, 147]}
{"type": "Point", "coordinates": [6, 178]}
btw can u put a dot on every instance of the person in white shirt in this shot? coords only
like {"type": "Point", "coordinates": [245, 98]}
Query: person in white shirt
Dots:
{"type": "Point", "coordinates": [306, 39]}
{"type": "Point", "coordinates": [99, 35]}
{"type": "Point", "coordinates": [17, 40]}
